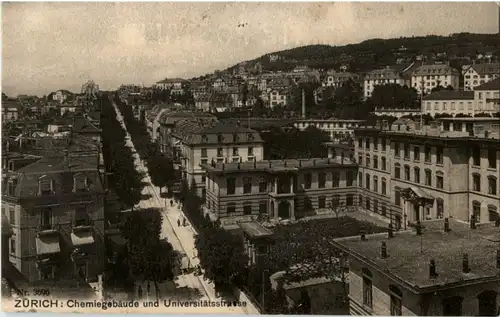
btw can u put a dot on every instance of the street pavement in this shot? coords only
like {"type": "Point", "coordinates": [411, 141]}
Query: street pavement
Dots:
{"type": "Point", "coordinates": [182, 239]}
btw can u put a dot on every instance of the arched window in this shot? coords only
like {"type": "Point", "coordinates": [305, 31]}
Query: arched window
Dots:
{"type": "Point", "coordinates": [397, 196]}
{"type": "Point", "coordinates": [360, 179]}
{"type": "Point", "coordinates": [476, 182]}
{"type": "Point", "coordinates": [416, 175]}
{"type": "Point", "coordinates": [375, 162]}
{"type": "Point", "coordinates": [407, 172]}
{"type": "Point", "coordinates": [428, 177]}
{"type": "Point", "coordinates": [367, 288]}
{"type": "Point", "coordinates": [367, 181]}
{"type": "Point", "coordinates": [487, 303]}
{"type": "Point", "coordinates": [439, 179]}
{"type": "Point", "coordinates": [397, 170]}
{"type": "Point", "coordinates": [375, 184]}
{"type": "Point", "coordinates": [492, 185]}
{"type": "Point", "coordinates": [368, 162]}
{"type": "Point", "coordinates": [396, 301]}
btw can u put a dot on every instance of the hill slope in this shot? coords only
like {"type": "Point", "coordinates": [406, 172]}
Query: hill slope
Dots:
{"type": "Point", "coordinates": [376, 53]}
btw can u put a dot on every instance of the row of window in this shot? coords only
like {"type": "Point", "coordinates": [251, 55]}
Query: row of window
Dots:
{"type": "Point", "coordinates": [220, 137]}
{"type": "Point", "coordinates": [452, 106]}
{"type": "Point", "coordinates": [368, 162]}
{"type": "Point", "coordinates": [368, 183]}
{"type": "Point", "coordinates": [47, 186]}
{"type": "Point", "coordinates": [220, 152]}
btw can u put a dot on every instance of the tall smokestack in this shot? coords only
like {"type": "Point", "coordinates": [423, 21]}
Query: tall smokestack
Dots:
{"type": "Point", "coordinates": [303, 104]}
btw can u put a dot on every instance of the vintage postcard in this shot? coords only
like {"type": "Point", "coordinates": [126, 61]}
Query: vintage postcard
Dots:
{"type": "Point", "coordinates": [330, 158]}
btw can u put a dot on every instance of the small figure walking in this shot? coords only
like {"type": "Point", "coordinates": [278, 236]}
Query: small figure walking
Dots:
{"type": "Point", "coordinates": [171, 203]}
{"type": "Point", "coordinates": [183, 222]}
{"type": "Point", "coordinates": [148, 288]}
{"type": "Point", "coordinates": [178, 222]}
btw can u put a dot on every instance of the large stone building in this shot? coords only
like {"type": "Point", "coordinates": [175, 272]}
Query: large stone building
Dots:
{"type": "Point", "coordinates": [487, 97]}
{"type": "Point", "coordinates": [445, 269]}
{"type": "Point", "coordinates": [449, 102]}
{"type": "Point", "coordinates": [385, 76]}
{"type": "Point", "coordinates": [409, 173]}
{"type": "Point", "coordinates": [200, 142]}
{"type": "Point", "coordinates": [427, 77]}
{"type": "Point", "coordinates": [479, 74]}
{"type": "Point", "coordinates": [278, 189]}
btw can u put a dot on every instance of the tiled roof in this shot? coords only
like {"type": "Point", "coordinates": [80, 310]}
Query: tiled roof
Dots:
{"type": "Point", "coordinates": [409, 254]}
{"type": "Point", "coordinates": [384, 73]}
{"type": "Point", "coordinates": [435, 70]}
{"type": "Point", "coordinates": [483, 69]}
{"type": "Point", "coordinates": [491, 85]}
{"type": "Point", "coordinates": [450, 95]}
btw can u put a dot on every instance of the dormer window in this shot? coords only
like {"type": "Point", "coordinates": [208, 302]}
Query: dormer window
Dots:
{"type": "Point", "coordinates": [204, 138]}
{"type": "Point", "coordinates": [220, 138]}
{"type": "Point", "coordinates": [250, 137]}
{"type": "Point", "coordinates": [80, 182]}
{"type": "Point", "coordinates": [46, 186]}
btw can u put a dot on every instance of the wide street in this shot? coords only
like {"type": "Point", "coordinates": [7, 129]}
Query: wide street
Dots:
{"type": "Point", "coordinates": [182, 239]}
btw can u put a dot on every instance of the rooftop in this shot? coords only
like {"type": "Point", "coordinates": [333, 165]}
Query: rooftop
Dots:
{"type": "Point", "coordinates": [409, 254]}
{"type": "Point", "coordinates": [255, 229]}
{"type": "Point", "coordinates": [491, 85]}
{"type": "Point", "coordinates": [493, 68]}
{"type": "Point", "coordinates": [450, 95]}
{"type": "Point", "coordinates": [276, 165]}
{"type": "Point", "coordinates": [436, 69]}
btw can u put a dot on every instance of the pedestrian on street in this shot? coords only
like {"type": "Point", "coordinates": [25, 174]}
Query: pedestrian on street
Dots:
{"type": "Point", "coordinates": [139, 292]}
{"type": "Point", "coordinates": [171, 203]}
{"type": "Point", "coordinates": [178, 222]}
{"type": "Point", "coordinates": [183, 222]}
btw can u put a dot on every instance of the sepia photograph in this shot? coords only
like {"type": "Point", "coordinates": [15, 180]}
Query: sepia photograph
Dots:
{"type": "Point", "coordinates": [251, 158]}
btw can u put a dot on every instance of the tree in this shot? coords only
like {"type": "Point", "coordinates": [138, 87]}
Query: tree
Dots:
{"type": "Point", "coordinates": [148, 257]}
{"type": "Point", "coordinates": [482, 115]}
{"type": "Point", "coordinates": [394, 96]}
{"type": "Point", "coordinates": [279, 300]}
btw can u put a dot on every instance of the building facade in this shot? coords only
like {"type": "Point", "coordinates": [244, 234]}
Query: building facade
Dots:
{"type": "Point", "coordinates": [336, 128]}
{"type": "Point", "coordinates": [384, 76]}
{"type": "Point", "coordinates": [443, 270]}
{"type": "Point", "coordinates": [427, 77]}
{"type": "Point", "coordinates": [487, 97]}
{"type": "Point", "coordinates": [278, 190]}
{"type": "Point", "coordinates": [479, 74]}
{"type": "Point", "coordinates": [449, 102]}
{"type": "Point", "coordinates": [407, 173]}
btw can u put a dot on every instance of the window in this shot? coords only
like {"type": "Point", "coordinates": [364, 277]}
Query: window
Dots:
{"type": "Point", "coordinates": [235, 151]}
{"type": "Point", "coordinates": [397, 150]}
{"type": "Point", "coordinates": [397, 197]}
{"type": "Point", "coordinates": [321, 180]}
{"type": "Point", "coordinates": [204, 153]}
{"type": "Point", "coordinates": [383, 163]}
{"type": "Point", "coordinates": [375, 144]}
{"type": "Point", "coordinates": [439, 208]}
{"type": "Point", "coordinates": [439, 155]}
{"type": "Point", "coordinates": [416, 175]}
{"type": "Point", "coordinates": [375, 184]}
{"type": "Point", "coordinates": [262, 185]}
{"type": "Point", "coordinates": [46, 187]}
{"type": "Point", "coordinates": [219, 152]}
{"type": "Point", "coordinates": [250, 151]}
{"type": "Point", "coordinates": [439, 180]}
{"type": "Point", "coordinates": [476, 182]}
{"type": "Point", "coordinates": [367, 144]}
{"type": "Point", "coordinates": [368, 203]}
{"type": "Point", "coordinates": [407, 172]}
{"type": "Point", "coordinates": [349, 179]}
{"type": "Point", "coordinates": [247, 185]}
{"type": "Point", "coordinates": [231, 208]}
{"type": "Point", "coordinates": [360, 159]}
{"type": "Point", "coordinates": [487, 303]}
{"type": "Point", "coordinates": [250, 137]}
{"type": "Point", "coordinates": [428, 152]}
{"type": "Point", "coordinates": [428, 177]}
{"type": "Point", "coordinates": [307, 181]}
{"type": "Point", "coordinates": [12, 245]}
{"type": "Point", "coordinates": [397, 171]}
{"type": "Point", "coordinates": [360, 143]}
{"type": "Point", "coordinates": [349, 201]}
{"type": "Point", "coordinates": [82, 218]}
{"type": "Point", "coordinates": [46, 219]}
{"type": "Point", "coordinates": [263, 207]}
{"type": "Point", "coordinates": [336, 179]}
{"type": "Point", "coordinates": [476, 156]}
{"type": "Point", "coordinates": [220, 138]}
{"type": "Point", "coordinates": [406, 151]}
{"type": "Point", "coordinates": [368, 162]}
{"type": "Point", "coordinates": [384, 187]}
{"type": "Point", "coordinates": [12, 216]}
{"type": "Point", "coordinates": [452, 306]}
{"type": "Point", "coordinates": [231, 186]}
{"type": "Point", "coordinates": [360, 179]}
{"type": "Point", "coordinates": [492, 158]}
{"type": "Point", "coordinates": [492, 185]}
{"type": "Point", "coordinates": [367, 181]}
{"type": "Point", "coordinates": [204, 161]}
{"type": "Point", "coordinates": [476, 211]}
{"type": "Point", "coordinates": [204, 138]}
{"type": "Point", "coordinates": [367, 288]}
{"type": "Point", "coordinates": [247, 208]}
{"type": "Point", "coordinates": [375, 162]}
{"type": "Point", "coordinates": [396, 296]}
{"type": "Point", "coordinates": [492, 213]}
{"type": "Point", "coordinates": [416, 153]}
{"type": "Point", "coordinates": [322, 202]}
{"type": "Point", "coordinates": [235, 138]}
{"type": "Point", "coordinates": [383, 145]}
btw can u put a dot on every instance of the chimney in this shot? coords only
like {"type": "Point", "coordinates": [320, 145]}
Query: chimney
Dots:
{"type": "Point", "coordinates": [465, 263]}
{"type": "Point", "coordinates": [390, 232]}
{"type": "Point", "coordinates": [498, 258]}
{"type": "Point", "coordinates": [383, 250]}
{"type": "Point", "coordinates": [303, 104]}
{"type": "Point", "coordinates": [472, 222]}
{"type": "Point", "coordinates": [418, 227]}
{"type": "Point", "coordinates": [432, 269]}
{"type": "Point", "coordinates": [446, 225]}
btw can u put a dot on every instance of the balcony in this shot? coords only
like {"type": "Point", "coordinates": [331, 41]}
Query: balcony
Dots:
{"type": "Point", "coordinates": [47, 229]}
{"type": "Point", "coordinates": [47, 242]}
{"type": "Point", "coordinates": [83, 233]}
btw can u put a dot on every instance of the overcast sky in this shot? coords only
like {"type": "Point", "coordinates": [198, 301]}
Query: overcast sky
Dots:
{"type": "Point", "coordinates": [50, 46]}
